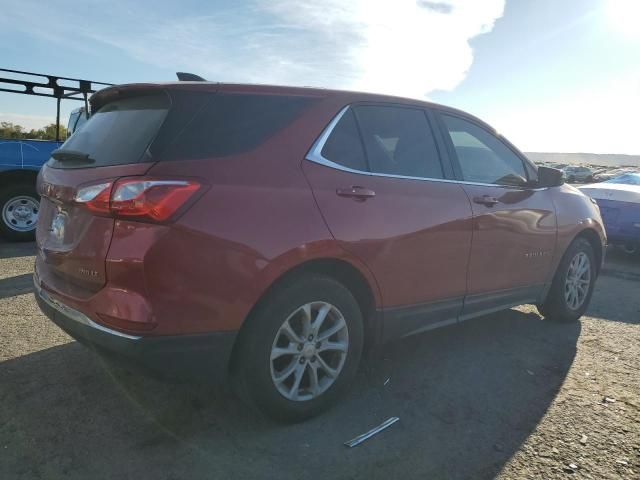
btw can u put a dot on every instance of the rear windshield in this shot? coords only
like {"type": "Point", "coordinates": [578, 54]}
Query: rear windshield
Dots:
{"type": "Point", "coordinates": [197, 125]}
{"type": "Point", "coordinates": [220, 124]}
{"type": "Point", "coordinates": [119, 132]}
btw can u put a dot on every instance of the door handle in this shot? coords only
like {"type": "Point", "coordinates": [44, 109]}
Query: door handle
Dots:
{"type": "Point", "coordinates": [487, 200]}
{"type": "Point", "coordinates": [355, 192]}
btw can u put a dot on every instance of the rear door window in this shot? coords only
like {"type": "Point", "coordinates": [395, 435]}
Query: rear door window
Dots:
{"type": "Point", "coordinates": [119, 132]}
{"type": "Point", "coordinates": [344, 145]}
{"type": "Point", "coordinates": [399, 141]}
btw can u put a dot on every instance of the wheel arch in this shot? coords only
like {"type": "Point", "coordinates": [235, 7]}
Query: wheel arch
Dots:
{"type": "Point", "coordinates": [338, 269]}
{"type": "Point", "coordinates": [591, 232]}
{"type": "Point", "coordinates": [594, 240]}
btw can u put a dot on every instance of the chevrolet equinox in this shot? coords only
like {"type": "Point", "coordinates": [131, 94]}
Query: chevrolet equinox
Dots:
{"type": "Point", "coordinates": [269, 235]}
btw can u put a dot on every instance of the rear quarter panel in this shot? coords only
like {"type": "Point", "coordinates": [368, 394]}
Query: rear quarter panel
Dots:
{"type": "Point", "coordinates": [257, 220]}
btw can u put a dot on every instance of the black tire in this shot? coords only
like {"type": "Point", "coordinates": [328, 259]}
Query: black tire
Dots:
{"type": "Point", "coordinates": [555, 307]}
{"type": "Point", "coordinates": [252, 374]}
{"type": "Point", "coordinates": [7, 196]}
{"type": "Point", "coordinates": [571, 179]}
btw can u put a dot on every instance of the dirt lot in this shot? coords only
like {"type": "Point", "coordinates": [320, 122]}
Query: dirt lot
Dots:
{"type": "Point", "coordinates": [508, 395]}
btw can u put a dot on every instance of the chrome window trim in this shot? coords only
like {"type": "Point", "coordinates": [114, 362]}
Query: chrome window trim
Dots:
{"type": "Point", "coordinates": [315, 155]}
{"type": "Point", "coordinates": [75, 314]}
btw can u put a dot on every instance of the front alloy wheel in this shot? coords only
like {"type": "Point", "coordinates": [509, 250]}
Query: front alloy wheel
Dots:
{"type": "Point", "coordinates": [577, 281]}
{"type": "Point", "coordinates": [572, 285]}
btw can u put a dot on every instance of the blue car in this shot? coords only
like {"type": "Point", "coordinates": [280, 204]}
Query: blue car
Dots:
{"type": "Point", "coordinates": [20, 162]}
{"type": "Point", "coordinates": [619, 202]}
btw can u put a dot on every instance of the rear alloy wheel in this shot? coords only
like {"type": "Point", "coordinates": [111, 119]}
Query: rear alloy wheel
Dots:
{"type": "Point", "coordinates": [19, 207]}
{"type": "Point", "coordinates": [572, 285]}
{"type": "Point", "coordinates": [309, 351]}
{"type": "Point", "coordinates": [299, 352]}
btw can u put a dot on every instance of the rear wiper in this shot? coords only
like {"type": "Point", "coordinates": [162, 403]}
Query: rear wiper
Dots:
{"type": "Point", "coordinates": [71, 155]}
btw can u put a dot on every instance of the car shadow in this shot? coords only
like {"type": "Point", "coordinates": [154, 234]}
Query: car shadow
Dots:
{"type": "Point", "coordinates": [616, 299]}
{"type": "Point", "coordinates": [18, 285]}
{"type": "Point", "coordinates": [621, 265]}
{"type": "Point", "coordinates": [467, 397]}
{"type": "Point", "coordinates": [16, 249]}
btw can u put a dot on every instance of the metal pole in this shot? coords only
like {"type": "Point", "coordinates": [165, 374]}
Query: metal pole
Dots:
{"type": "Point", "coordinates": [58, 119]}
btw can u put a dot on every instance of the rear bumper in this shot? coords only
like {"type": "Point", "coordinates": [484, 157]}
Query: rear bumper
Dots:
{"type": "Point", "coordinates": [201, 357]}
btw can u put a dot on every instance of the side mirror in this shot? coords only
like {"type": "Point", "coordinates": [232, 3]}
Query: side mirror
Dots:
{"type": "Point", "coordinates": [550, 177]}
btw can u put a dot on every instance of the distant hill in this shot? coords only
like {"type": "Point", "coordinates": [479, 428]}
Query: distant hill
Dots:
{"type": "Point", "coordinates": [604, 160]}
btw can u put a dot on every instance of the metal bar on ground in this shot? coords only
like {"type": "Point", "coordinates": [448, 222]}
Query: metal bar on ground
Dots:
{"type": "Point", "coordinates": [365, 436]}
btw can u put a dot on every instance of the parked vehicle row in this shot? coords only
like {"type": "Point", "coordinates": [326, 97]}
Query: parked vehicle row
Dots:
{"type": "Point", "coordinates": [577, 174]}
{"type": "Point", "coordinates": [272, 234]}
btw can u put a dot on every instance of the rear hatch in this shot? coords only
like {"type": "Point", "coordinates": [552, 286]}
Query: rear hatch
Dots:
{"type": "Point", "coordinates": [103, 172]}
{"type": "Point", "coordinates": [73, 236]}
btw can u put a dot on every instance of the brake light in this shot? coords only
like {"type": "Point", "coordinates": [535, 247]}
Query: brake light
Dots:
{"type": "Point", "coordinates": [137, 198]}
{"type": "Point", "coordinates": [95, 197]}
{"type": "Point", "coordinates": [155, 200]}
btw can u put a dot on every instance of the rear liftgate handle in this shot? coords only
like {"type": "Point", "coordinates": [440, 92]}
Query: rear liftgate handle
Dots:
{"type": "Point", "coordinates": [357, 193]}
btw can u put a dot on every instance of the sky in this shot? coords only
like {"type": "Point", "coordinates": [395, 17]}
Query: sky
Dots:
{"type": "Point", "coordinates": [552, 76]}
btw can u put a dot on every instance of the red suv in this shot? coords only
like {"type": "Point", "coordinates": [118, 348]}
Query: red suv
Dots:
{"type": "Point", "coordinates": [272, 233]}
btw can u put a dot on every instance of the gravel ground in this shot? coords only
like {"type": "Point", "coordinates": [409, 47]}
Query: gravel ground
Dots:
{"type": "Point", "coordinates": [507, 395]}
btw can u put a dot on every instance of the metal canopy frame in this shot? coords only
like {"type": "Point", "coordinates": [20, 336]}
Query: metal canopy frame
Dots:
{"type": "Point", "coordinates": [55, 87]}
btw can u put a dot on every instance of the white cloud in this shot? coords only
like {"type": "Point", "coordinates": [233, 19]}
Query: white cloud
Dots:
{"type": "Point", "coordinates": [592, 118]}
{"type": "Point", "coordinates": [405, 47]}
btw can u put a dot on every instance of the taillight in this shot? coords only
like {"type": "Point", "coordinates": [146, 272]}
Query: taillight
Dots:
{"type": "Point", "coordinates": [155, 200]}
{"type": "Point", "coordinates": [137, 198]}
{"type": "Point", "coordinates": [95, 197]}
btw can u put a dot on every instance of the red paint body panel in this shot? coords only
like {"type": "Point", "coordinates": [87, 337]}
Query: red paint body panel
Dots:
{"type": "Point", "coordinates": [269, 210]}
{"type": "Point", "coordinates": [513, 241]}
{"type": "Point", "coordinates": [575, 213]}
{"type": "Point", "coordinates": [415, 235]}
{"type": "Point", "coordinates": [204, 272]}
{"type": "Point", "coordinates": [78, 258]}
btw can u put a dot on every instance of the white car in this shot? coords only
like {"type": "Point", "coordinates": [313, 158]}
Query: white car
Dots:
{"type": "Point", "coordinates": [619, 202]}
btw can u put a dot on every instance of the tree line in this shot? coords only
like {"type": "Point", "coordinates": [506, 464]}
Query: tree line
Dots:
{"type": "Point", "coordinates": [18, 132]}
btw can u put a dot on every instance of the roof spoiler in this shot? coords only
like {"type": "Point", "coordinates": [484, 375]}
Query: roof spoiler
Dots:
{"type": "Point", "coordinates": [189, 77]}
